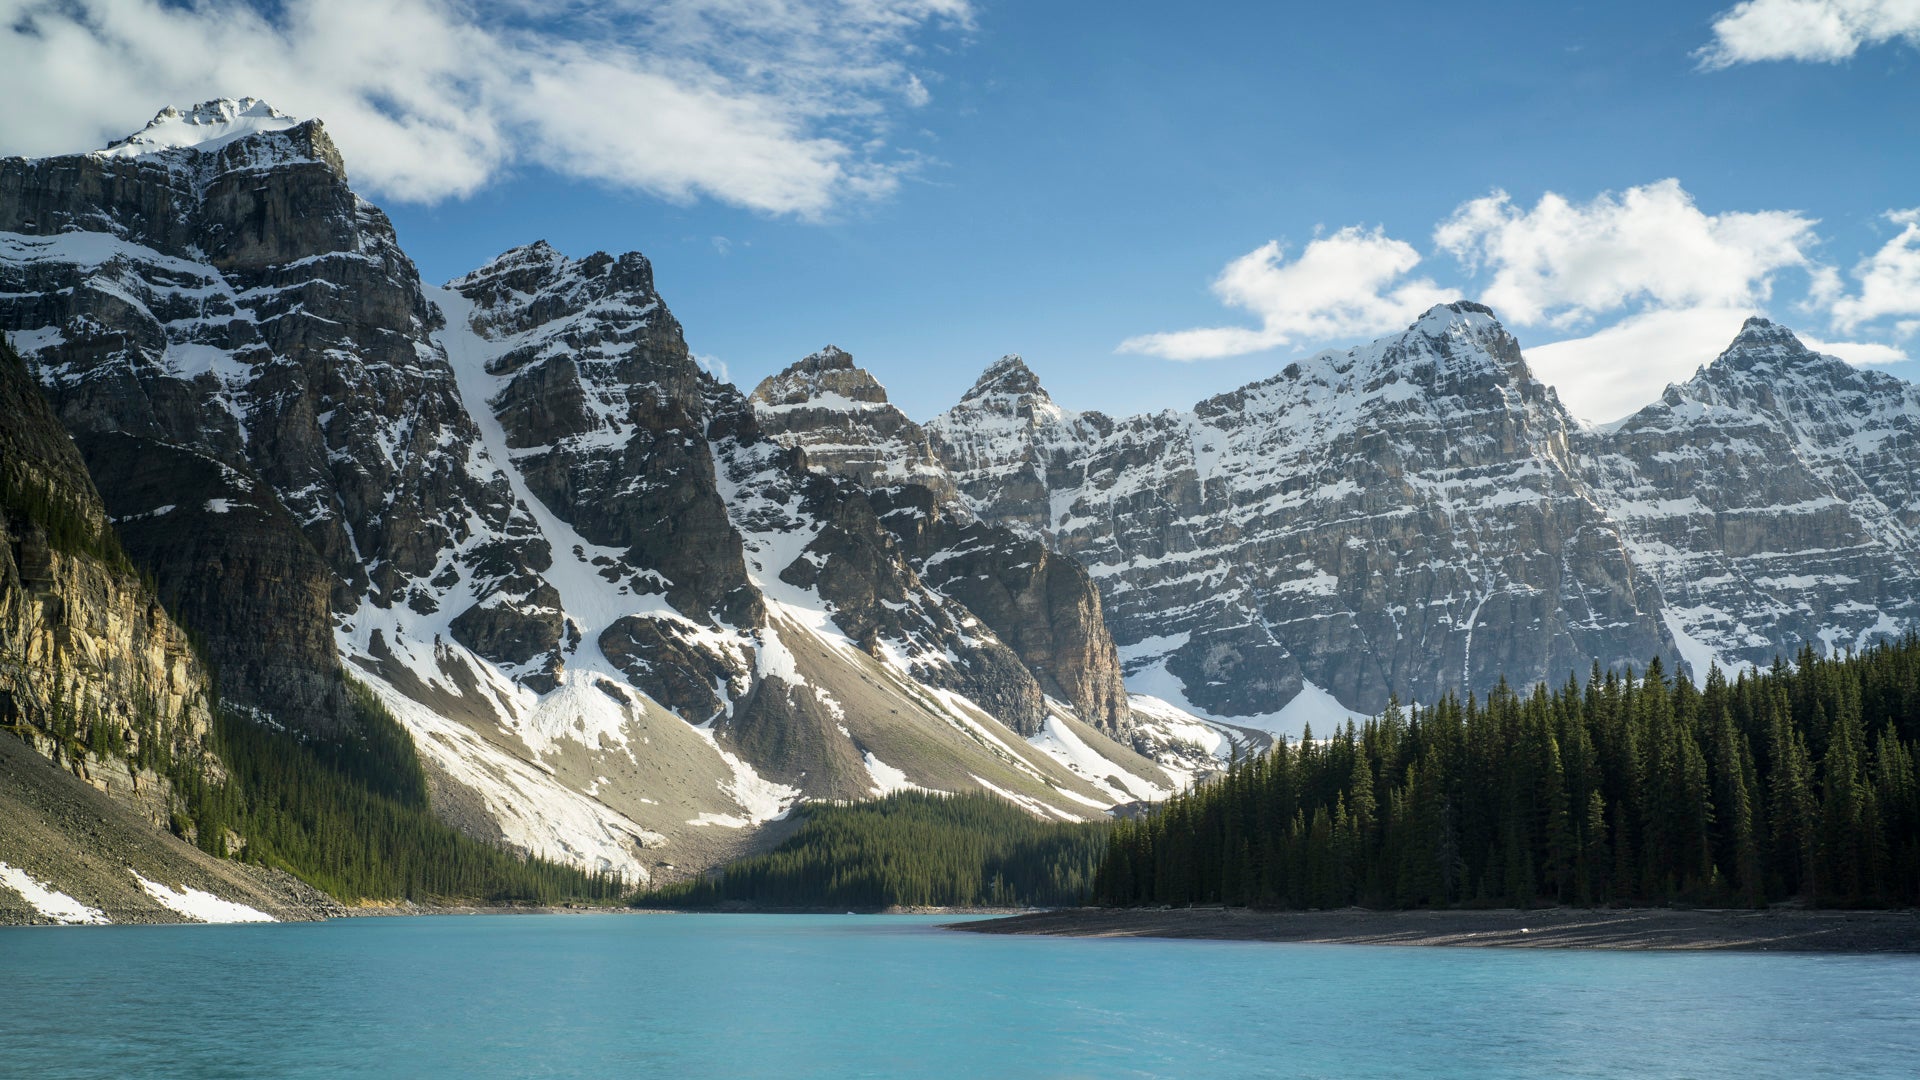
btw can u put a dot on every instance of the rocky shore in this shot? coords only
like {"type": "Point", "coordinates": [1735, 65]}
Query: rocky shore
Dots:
{"type": "Point", "coordinates": [1774, 930]}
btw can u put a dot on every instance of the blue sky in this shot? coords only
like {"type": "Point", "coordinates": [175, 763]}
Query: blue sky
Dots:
{"type": "Point", "coordinates": [932, 183]}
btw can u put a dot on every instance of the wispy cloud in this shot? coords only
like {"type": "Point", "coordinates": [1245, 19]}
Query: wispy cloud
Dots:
{"type": "Point", "coordinates": [1341, 285]}
{"type": "Point", "coordinates": [1822, 31]}
{"type": "Point", "coordinates": [782, 106]}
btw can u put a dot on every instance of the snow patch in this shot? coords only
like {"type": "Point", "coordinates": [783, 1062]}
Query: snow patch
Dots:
{"type": "Point", "coordinates": [1064, 745]}
{"type": "Point", "coordinates": [200, 906]}
{"type": "Point", "coordinates": [205, 127]}
{"type": "Point", "coordinates": [50, 902]}
{"type": "Point", "coordinates": [1312, 705]}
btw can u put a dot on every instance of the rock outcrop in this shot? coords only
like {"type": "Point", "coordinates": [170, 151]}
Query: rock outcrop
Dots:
{"type": "Point", "coordinates": [839, 414]}
{"type": "Point", "coordinates": [93, 673]}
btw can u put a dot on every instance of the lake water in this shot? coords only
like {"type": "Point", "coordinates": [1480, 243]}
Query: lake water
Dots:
{"type": "Point", "coordinates": [859, 996]}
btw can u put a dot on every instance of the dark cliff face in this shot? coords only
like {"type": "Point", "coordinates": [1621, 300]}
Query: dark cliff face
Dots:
{"type": "Point", "coordinates": [237, 324]}
{"type": "Point", "coordinates": [1774, 498]}
{"type": "Point", "coordinates": [1041, 603]}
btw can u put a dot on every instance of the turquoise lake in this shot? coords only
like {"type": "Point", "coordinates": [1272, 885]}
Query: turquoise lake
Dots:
{"type": "Point", "coordinates": [892, 996]}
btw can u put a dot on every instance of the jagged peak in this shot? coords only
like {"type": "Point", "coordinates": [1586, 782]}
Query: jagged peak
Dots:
{"type": "Point", "coordinates": [537, 266]}
{"type": "Point", "coordinates": [1452, 337]}
{"type": "Point", "coordinates": [1767, 349]}
{"type": "Point", "coordinates": [828, 358]}
{"type": "Point", "coordinates": [1008, 376]}
{"type": "Point", "coordinates": [1464, 315]}
{"type": "Point", "coordinates": [204, 128]}
{"type": "Point", "coordinates": [1762, 342]}
{"type": "Point", "coordinates": [827, 378]}
{"type": "Point", "coordinates": [539, 253]}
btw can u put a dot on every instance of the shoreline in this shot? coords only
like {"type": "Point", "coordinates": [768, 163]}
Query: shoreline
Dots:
{"type": "Point", "coordinates": [1633, 929]}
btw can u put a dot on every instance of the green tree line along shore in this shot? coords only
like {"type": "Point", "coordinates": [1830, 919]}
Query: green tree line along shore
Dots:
{"type": "Point", "coordinates": [908, 849]}
{"type": "Point", "coordinates": [1795, 783]}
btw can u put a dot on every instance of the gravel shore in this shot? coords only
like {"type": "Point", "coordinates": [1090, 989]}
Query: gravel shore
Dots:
{"type": "Point", "coordinates": [1782, 930]}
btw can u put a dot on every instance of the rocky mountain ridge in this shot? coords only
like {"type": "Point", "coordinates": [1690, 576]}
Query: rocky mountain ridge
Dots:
{"type": "Point", "coordinates": [625, 628]}
{"type": "Point", "coordinates": [1420, 516]}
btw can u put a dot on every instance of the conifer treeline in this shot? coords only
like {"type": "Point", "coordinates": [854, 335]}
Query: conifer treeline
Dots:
{"type": "Point", "coordinates": [351, 817]}
{"type": "Point", "coordinates": [1793, 783]}
{"type": "Point", "coordinates": [909, 849]}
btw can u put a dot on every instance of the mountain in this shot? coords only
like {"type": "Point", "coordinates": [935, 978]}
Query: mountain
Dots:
{"type": "Point", "coordinates": [1774, 498]}
{"type": "Point", "coordinates": [1420, 516]}
{"type": "Point", "coordinates": [631, 616]}
{"type": "Point", "coordinates": [625, 628]}
{"type": "Point", "coordinates": [1404, 518]}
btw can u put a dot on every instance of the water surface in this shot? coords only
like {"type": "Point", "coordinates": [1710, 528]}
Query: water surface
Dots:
{"type": "Point", "coordinates": [891, 996]}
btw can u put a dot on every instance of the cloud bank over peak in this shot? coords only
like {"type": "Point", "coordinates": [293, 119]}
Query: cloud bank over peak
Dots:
{"type": "Point", "coordinates": [1562, 263]}
{"type": "Point", "coordinates": [1627, 291]}
{"type": "Point", "coordinates": [1343, 285]}
{"type": "Point", "coordinates": [780, 106]}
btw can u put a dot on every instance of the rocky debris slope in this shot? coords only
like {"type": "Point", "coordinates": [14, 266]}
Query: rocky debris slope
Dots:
{"type": "Point", "coordinates": [70, 853]}
{"type": "Point", "coordinates": [625, 628]}
{"type": "Point", "coordinates": [1775, 498]}
{"type": "Point", "coordinates": [1402, 518]}
{"type": "Point", "coordinates": [93, 672]}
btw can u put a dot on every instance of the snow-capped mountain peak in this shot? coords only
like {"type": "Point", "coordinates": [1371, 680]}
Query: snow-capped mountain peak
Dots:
{"type": "Point", "coordinates": [1006, 378]}
{"type": "Point", "coordinates": [206, 127]}
{"type": "Point", "coordinates": [1763, 343]}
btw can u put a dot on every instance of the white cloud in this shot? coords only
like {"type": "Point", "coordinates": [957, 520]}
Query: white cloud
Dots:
{"type": "Point", "coordinates": [777, 105]}
{"type": "Point", "coordinates": [1624, 367]}
{"type": "Point", "coordinates": [1857, 353]}
{"type": "Point", "coordinates": [1618, 370]}
{"type": "Point", "coordinates": [1825, 31]}
{"type": "Point", "coordinates": [1889, 280]}
{"type": "Point", "coordinates": [1562, 262]}
{"type": "Point", "coordinates": [1341, 286]}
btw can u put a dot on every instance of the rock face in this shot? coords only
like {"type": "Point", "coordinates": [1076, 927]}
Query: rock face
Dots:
{"type": "Point", "coordinates": [1043, 606]}
{"type": "Point", "coordinates": [211, 309]}
{"type": "Point", "coordinates": [840, 415]}
{"type": "Point", "coordinates": [1774, 497]}
{"type": "Point", "coordinates": [1010, 448]}
{"type": "Point", "coordinates": [1403, 518]}
{"type": "Point", "coordinates": [1040, 603]}
{"type": "Point", "coordinates": [624, 626]}
{"type": "Point", "coordinates": [93, 673]}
